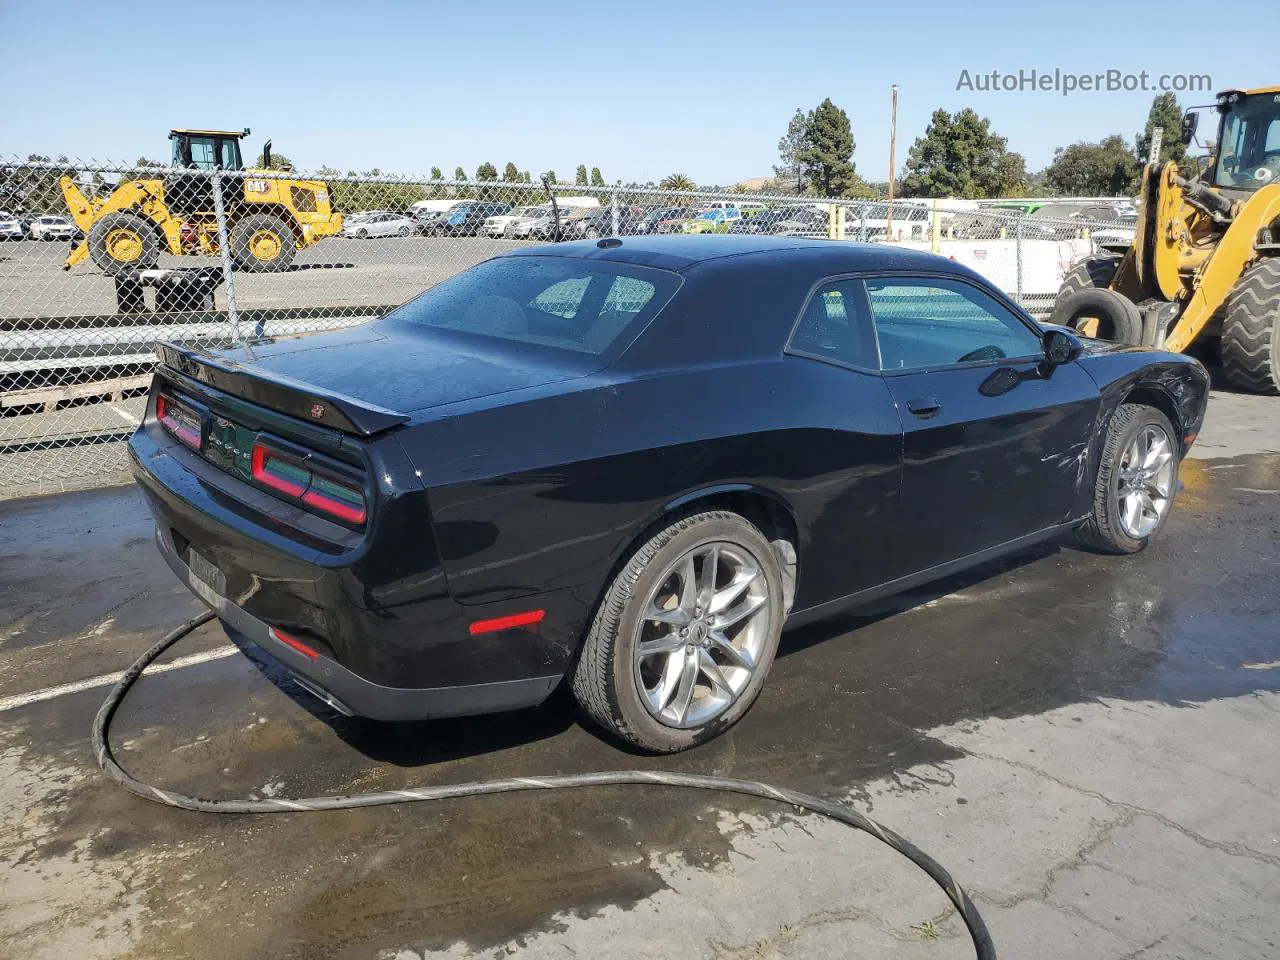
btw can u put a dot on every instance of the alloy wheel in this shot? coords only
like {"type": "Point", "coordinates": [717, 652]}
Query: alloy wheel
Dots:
{"type": "Point", "coordinates": [1145, 485]}
{"type": "Point", "coordinates": [702, 631]}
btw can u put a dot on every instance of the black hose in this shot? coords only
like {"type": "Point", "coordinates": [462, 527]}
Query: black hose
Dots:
{"type": "Point", "coordinates": [826, 808]}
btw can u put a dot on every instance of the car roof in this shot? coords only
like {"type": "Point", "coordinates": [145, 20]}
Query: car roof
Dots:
{"type": "Point", "coordinates": [680, 252]}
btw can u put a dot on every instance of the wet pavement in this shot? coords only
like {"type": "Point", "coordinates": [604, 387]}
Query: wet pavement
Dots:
{"type": "Point", "coordinates": [1086, 741]}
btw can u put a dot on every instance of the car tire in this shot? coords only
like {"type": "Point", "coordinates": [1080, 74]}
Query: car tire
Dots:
{"type": "Point", "coordinates": [123, 241]}
{"type": "Point", "coordinates": [262, 243]}
{"type": "Point", "coordinates": [612, 676]}
{"type": "Point", "coordinates": [1251, 330]}
{"type": "Point", "coordinates": [403, 231]}
{"type": "Point", "coordinates": [1109, 528]}
{"type": "Point", "coordinates": [362, 234]}
{"type": "Point", "coordinates": [591, 233]}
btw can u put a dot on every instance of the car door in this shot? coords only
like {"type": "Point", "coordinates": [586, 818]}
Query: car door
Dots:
{"type": "Point", "coordinates": [995, 440]}
{"type": "Point", "coordinates": [846, 473]}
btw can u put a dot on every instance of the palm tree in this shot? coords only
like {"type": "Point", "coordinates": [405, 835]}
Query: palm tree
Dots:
{"type": "Point", "coordinates": [677, 181]}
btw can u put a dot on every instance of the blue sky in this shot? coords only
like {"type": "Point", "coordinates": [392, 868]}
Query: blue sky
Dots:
{"type": "Point", "coordinates": [640, 90]}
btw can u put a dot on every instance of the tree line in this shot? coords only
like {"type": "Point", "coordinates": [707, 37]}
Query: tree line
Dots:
{"type": "Point", "coordinates": [960, 155]}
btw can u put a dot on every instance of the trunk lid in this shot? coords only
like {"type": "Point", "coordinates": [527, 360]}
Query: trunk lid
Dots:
{"type": "Point", "coordinates": [367, 379]}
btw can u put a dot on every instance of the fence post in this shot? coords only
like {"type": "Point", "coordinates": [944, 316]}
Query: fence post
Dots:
{"type": "Point", "coordinates": [613, 211]}
{"type": "Point", "coordinates": [935, 230]}
{"type": "Point", "coordinates": [862, 226]}
{"type": "Point", "coordinates": [224, 252]}
{"type": "Point", "coordinates": [1017, 249]}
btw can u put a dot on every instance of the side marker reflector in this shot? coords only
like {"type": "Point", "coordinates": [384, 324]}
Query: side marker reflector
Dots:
{"type": "Point", "coordinates": [507, 623]}
{"type": "Point", "coordinates": [295, 643]}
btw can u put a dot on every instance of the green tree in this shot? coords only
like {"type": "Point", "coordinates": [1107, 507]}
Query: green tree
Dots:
{"type": "Point", "coordinates": [486, 171]}
{"type": "Point", "coordinates": [550, 177]}
{"type": "Point", "coordinates": [526, 176]}
{"type": "Point", "coordinates": [597, 178]}
{"type": "Point", "coordinates": [510, 173]}
{"type": "Point", "coordinates": [677, 181]}
{"type": "Point", "coordinates": [1165, 112]}
{"type": "Point", "coordinates": [789, 169]}
{"type": "Point", "coordinates": [580, 177]}
{"type": "Point", "coordinates": [459, 174]}
{"type": "Point", "coordinates": [827, 154]}
{"type": "Point", "coordinates": [1106, 168]}
{"type": "Point", "coordinates": [436, 173]}
{"type": "Point", "coordinates": [278, 162]}
{"type": "Point", "coordinates": [960, 156]}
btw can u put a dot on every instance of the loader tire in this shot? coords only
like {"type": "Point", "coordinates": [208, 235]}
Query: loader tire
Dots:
{"type": "Point", "coordinates": [1118, 317]}
{"type": "Point", "coordinates": [262, 243]}
{"type": "Point", "coordinates": [1251, 330]}
{"type": "Point", "coordinates": [123, 242]}
{"type": "Point", "coordinates": [1089, 273]}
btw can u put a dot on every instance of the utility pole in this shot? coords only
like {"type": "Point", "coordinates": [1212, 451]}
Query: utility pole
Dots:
{"type": "Point", "coordinates": [893, 137]}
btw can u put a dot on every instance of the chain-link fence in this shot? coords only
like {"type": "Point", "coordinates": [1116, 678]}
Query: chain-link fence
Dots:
{"type": "Point", "coordinates": [99, 261]}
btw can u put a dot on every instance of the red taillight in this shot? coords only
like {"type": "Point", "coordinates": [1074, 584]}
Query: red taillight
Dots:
{"type": "Point", "coordinates": [526, 619]}
{"type": "Point", "coordinates": [278, 473]}
{"type": "Point", "coordinates": [302, 479]}
{"type": "Point", "coordinates": [295, 643]}
{"type": "Point", "coordinates": [179, 420]}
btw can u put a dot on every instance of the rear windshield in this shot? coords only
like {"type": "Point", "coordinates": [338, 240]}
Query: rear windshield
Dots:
{"type": "Point", "coordinates": [558, 302]}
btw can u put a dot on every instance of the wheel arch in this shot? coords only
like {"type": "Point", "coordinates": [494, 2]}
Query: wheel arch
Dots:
{"type": "Point", "coordinates": [1153, 395]}
{"type": "Point", "coordinates": [764, 508]}
{"type": "Point", "coordinates": [278, 210]}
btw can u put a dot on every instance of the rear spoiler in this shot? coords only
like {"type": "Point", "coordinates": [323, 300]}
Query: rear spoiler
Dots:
{"type": "Point", "coordinates": [280, 393]}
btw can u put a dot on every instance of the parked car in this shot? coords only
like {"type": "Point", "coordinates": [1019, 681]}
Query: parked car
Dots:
{"type": "Point", "coordinates": [467, 219]}
{"type": "Point", "coordinates": [760, 221]}
{"type": "Point", "coordinates": [496, 224]}
{"type": "Point", "coordinates": [600, 223]}
{"type": "Point", "coordinates": [514, 482]}
{"type": "Point", "coordinates": [711, 221]}
{"type": "Point", "coordinates": [650, 221]}
{"type": "Point", "coordinates": [542, 224]}
{"type": "Point", "coordinates": [1066, 220]}
{"type": "Point", "coordinates": [50, 227]}
{"type": "Point", "coordinates": [379, 225]}
{"type": "Point", "coordinates": [11, 228]}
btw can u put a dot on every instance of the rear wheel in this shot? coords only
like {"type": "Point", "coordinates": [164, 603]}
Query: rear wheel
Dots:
{"type": "Point", "coordinates": [684, 637]}
{"type": "Point", "coordinates": [1137, 478]}
{"type": "Point", "coordinates": [262, 243]}
{"type": "Point", "coordinates": [120, 242]}
{"type": "Point", "coordinates": [1251, 330]}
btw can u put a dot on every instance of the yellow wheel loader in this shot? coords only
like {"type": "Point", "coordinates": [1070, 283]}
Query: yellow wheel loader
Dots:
{"type": "Point", "coordinates": [268, 220]}
{"type": "Point", "coordinates": [1205, 260]}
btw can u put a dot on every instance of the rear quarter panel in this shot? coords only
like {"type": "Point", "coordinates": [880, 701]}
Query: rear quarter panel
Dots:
{"type": "Point", "coordinates": [550, 494]}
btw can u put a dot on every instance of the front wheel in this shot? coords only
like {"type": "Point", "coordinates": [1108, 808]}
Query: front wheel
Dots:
{"type": "Point", "coordinates": [685, 635]}
{"type": "Point", "coordinates": [1137, 478]}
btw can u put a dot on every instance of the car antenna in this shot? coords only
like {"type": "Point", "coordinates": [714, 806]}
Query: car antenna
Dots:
{"type": "Point", "coordinates": [555, 209]}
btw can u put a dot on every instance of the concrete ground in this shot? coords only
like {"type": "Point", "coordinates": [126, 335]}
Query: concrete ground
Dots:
{"type": "Point", "coordinates": [1088, 743]}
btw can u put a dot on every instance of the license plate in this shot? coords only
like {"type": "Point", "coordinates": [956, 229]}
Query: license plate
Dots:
{"type": "Point", "coordinates": [206, 579]}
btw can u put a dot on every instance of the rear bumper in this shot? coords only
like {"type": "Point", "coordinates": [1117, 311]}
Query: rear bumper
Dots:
{"type": "Point", "coordinates": [348, 692]}
{"type": "Point", "coordinates": [391, 642]}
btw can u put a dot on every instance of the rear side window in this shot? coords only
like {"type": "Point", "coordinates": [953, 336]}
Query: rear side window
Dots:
{"type": "Point", "coordinates": [835, 326]}
{"type": "Point", "coordinates": [558, 302]}
{"type": "Point", "coordinates": [937, 321]}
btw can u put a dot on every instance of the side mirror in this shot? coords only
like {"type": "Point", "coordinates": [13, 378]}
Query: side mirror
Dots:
{"type": "Point", "coordinates": [1190, 120]}
{"type": "Point", "coordinates": [1061, 347]}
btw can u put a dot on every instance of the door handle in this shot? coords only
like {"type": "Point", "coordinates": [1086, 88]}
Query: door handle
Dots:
{"type": "Point", "coordinates": [924, 407]}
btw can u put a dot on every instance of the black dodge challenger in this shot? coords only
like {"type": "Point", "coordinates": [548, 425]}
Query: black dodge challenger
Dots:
{"type": "Point", "coordinates": [628, 464]}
